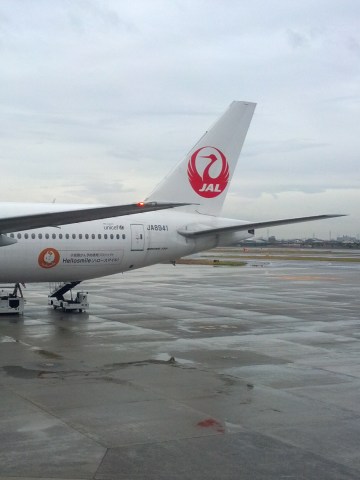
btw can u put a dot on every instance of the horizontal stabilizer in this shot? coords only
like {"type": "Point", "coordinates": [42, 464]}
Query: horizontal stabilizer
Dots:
{"type": "Point", "coordinates": [254, 225]}
{"type": "Point", "coordinates": [54, 219]}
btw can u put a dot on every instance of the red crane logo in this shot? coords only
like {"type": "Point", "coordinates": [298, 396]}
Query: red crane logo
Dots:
{"type": "Point", "coordinates": [204, 184]}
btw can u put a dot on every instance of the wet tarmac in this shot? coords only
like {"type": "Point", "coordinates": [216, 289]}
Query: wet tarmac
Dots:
{"type": "Point", "coordinates": [264, 383]}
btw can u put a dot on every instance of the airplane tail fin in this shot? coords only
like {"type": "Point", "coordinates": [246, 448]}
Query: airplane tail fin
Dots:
{"type": "Point", "coordinates": [203, 177]}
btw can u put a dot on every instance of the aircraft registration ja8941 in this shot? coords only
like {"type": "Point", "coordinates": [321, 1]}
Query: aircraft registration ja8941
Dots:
{"type": "Point", "coordinates": [67, 244]}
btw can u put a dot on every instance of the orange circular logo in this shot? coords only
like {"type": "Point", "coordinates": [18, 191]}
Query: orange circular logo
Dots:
{"type": "Point", "coordinates": [49, 258]}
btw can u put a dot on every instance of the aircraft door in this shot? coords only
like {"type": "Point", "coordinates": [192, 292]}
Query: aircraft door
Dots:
{"type": "Point", "coordinates": [137, 237]}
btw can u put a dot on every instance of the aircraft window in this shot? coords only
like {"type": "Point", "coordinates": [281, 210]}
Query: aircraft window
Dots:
{"type": "Point", "coordinates": [18, 236]}
{"type": "Point", "coordinates": [111, 236]}
{"type": "Point", "coordinates": [87, 236]}
{"type": "Point", "coordinates": [53, 236]}
{"type": "Point", "coordinates": [60, 236]}
{"type": "Point", "coordinates": [40, 236]}
{"type": "Point", "coordinates": [117, 236]}
{"type": "Point", "coordinates": [47, 235]}
{"type": "Point", "coordinates": [123, 236]}
{"type": "Point", "coordinates": [26, 236]}
{"type": "Point", "coordinates": [67, 236]}
{"type": "Point", "coordinates": [93, 236]}
{"type": "Point", "coordinates": [74, 236]}
{"type": "Point", "coordinates": [33, 236]}
{"type": "Point", "coordinates": [12, 235]}
{"type": "Point", "coordinates": [80, 236]}
{"type": "Point", "coordinates": [105, 236]}
{"type": "Point", "coordinates": [99, 236]}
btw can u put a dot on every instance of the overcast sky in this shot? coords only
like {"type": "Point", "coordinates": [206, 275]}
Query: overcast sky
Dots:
{"type": "Point", "coordinates": [100, 98]}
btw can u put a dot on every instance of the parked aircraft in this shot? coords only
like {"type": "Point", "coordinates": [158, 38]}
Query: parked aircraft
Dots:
{"type": "Point", "coordinates": [72, 243]}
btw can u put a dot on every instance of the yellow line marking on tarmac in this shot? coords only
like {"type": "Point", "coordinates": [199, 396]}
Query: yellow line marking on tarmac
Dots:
{"type": "Point", "coordinates": [305, 278]}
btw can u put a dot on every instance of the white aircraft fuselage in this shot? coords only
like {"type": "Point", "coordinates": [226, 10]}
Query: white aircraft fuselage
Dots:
{"type": "Point", "coordinates": [102, 247]}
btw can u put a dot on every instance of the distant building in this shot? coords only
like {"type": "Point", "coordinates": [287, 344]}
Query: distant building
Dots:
{"type": "Point", "coordinates": [272, 239]}
{"type": "Point", "coordinates": [346, 239]}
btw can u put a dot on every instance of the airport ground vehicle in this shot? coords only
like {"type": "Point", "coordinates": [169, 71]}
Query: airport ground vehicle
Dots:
{"type": "Point", "coordinates": [79, 302]}
{"type": "Point", "coordinates": [13, 301]}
